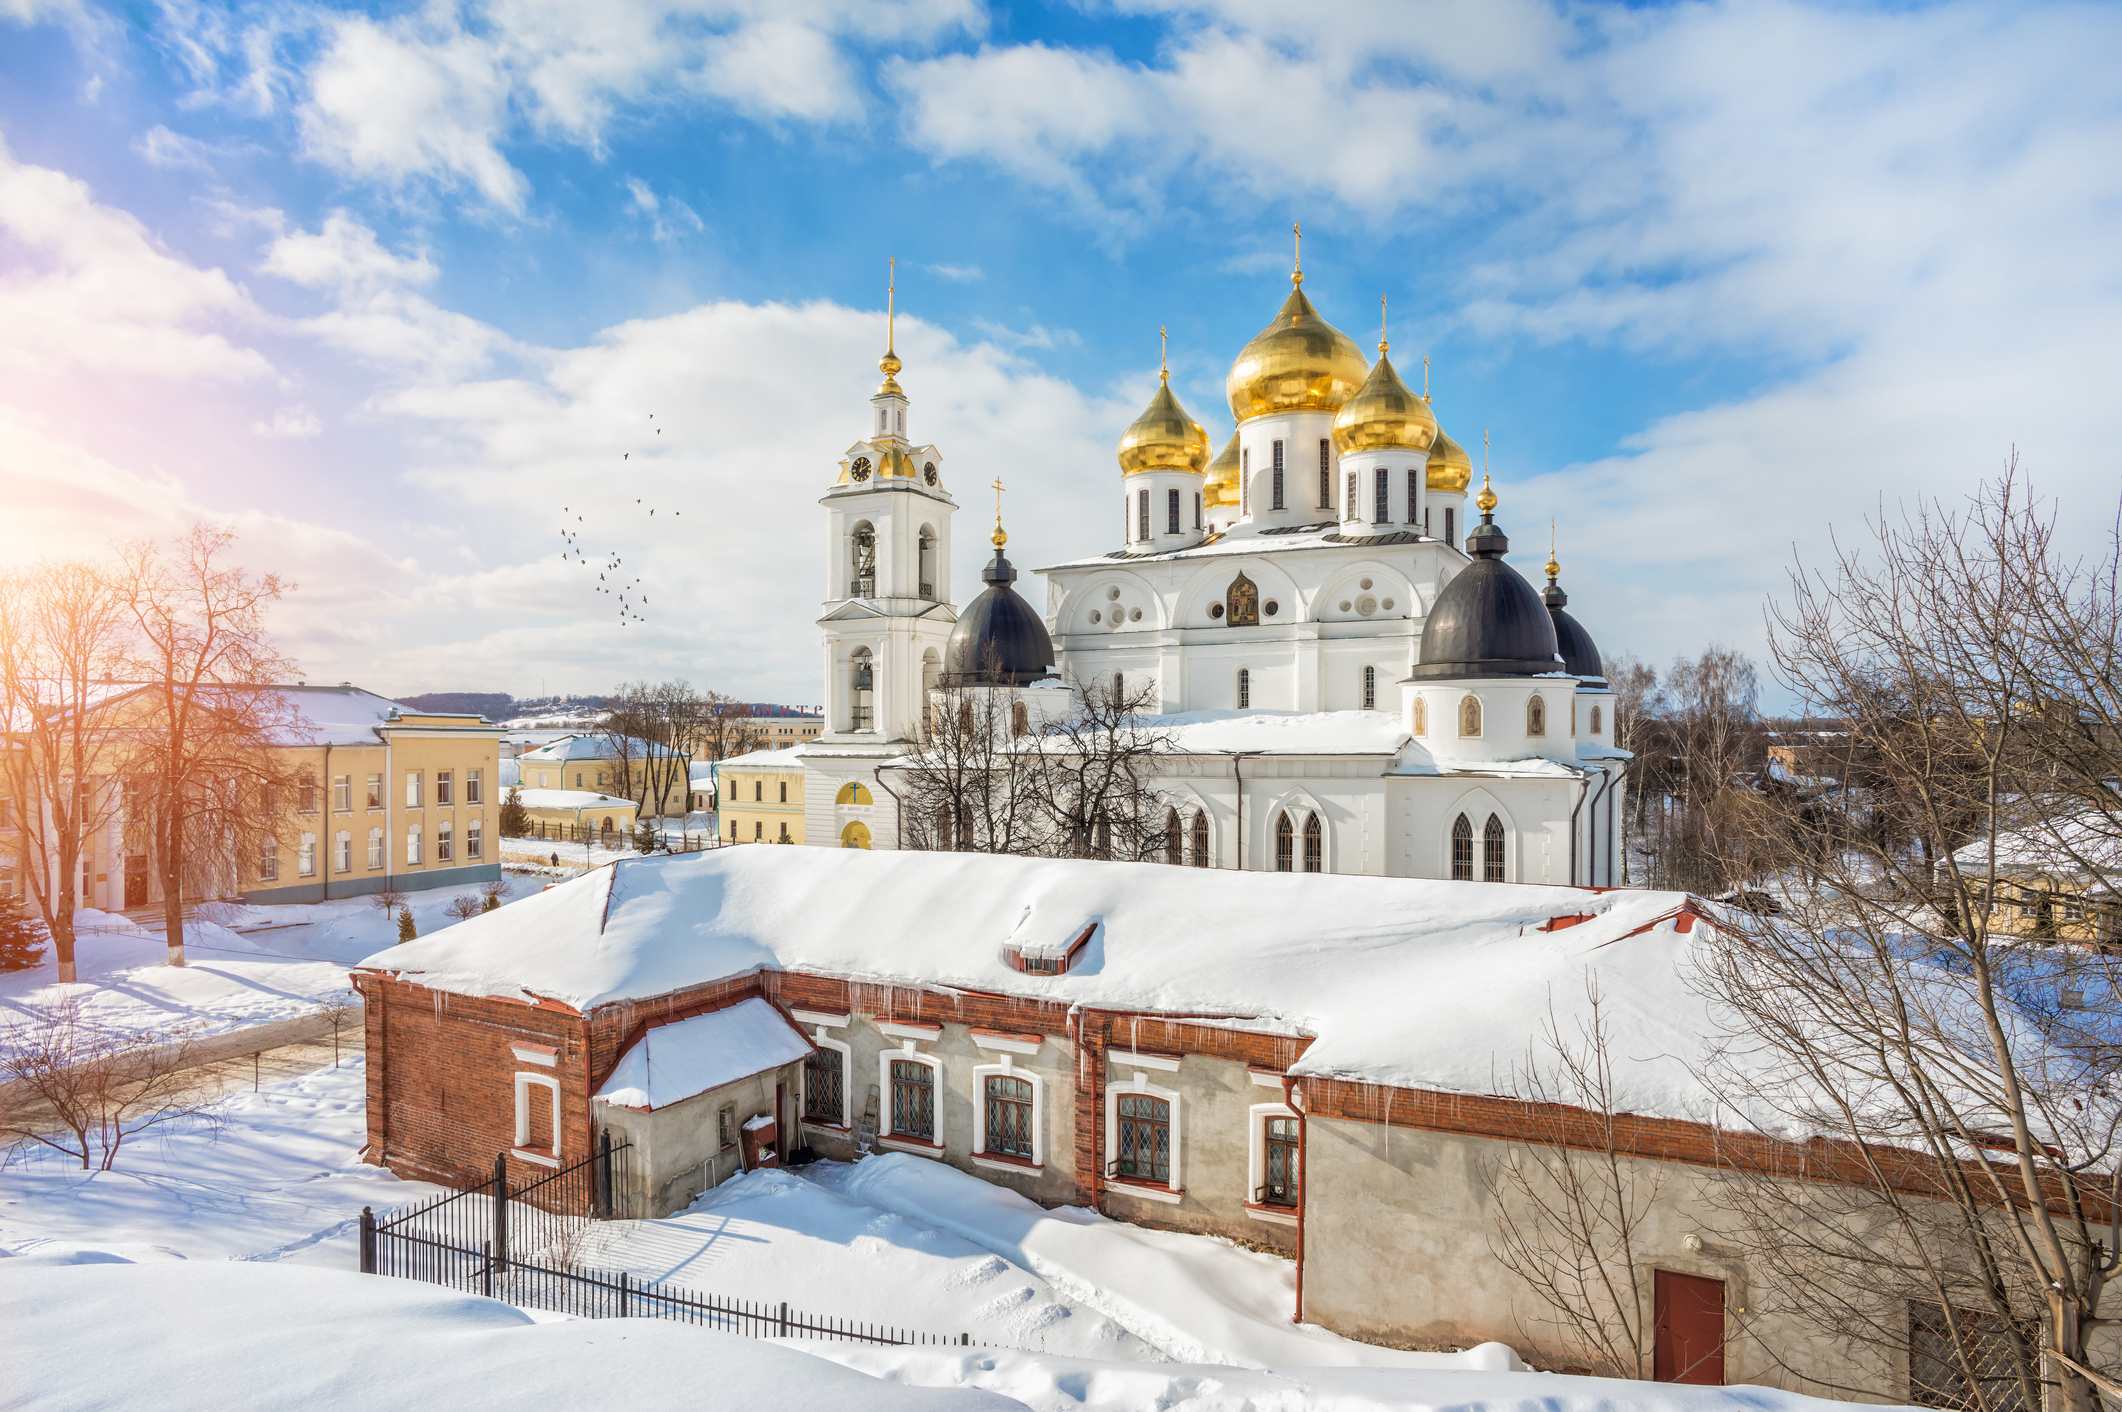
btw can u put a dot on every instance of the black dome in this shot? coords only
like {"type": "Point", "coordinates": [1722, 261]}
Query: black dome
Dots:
{"type": "Point", "coordinates": [1488, 622]}
{"type": "Point", "coordinates": [1580, 655]}
{"type": "Point", "coordinates": [999, 639]}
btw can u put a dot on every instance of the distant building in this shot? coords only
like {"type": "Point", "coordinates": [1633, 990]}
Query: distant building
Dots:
{"type": "Point", "coordinates": [760, 798]}
{"type": "Point", "coordinates": [571, 815]}
{"type": "Point", "coordinates": [593, 762]}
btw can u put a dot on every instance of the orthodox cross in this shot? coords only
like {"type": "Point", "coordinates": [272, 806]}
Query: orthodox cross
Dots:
{"type": "Point", "coordinates": [1425, 377]}
{"type": "Point", "coordinates": [1296, 276]}
{"type": "Point", "coordinates": [891, 298]}
{"type": "Point", "coordinates": [1381, 324]}
{"type": "Point", "coordinates": [1164, 362]}
{"type": "Point", "coordinates": [998, 500]}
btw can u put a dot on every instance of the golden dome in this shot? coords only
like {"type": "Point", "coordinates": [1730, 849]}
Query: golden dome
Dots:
{"type": "Point", "coordinates": [1222, 485]}
{"type": "Point", "coordinates": [1298, 363]}
{"type": "Point", "coordinates": [1385, 415]}
{"type": "Point", "coordinates": [1450, 468]}
{"type": "Point", "coordinates": [1163, 438]}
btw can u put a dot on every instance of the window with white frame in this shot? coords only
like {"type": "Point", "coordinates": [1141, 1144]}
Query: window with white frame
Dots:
{"type": "Point", "coordinates": [445, 787]}
{"type": "Point", "coordinates": [474, 787]}
{"type": "Point", "coordinates": [538, 1118]}
{"type": "Point", "coordinates": [375, 848]}
{"type": "Point", "coordinates": [412, 789]}
{"type": "Point", "coordinates": [1009, 1115]}
{"type": "Point", "coordinates": [825, 1084]}
{"type": "Point", "coordinates": [412, 846]}
{"type": "Point", "coordinates": [1273, 1160]}
{"type": "Point", "coordinates": [343, 852]}
{"type": "Point", "coordinates": [306, 859]}
{"type": "Point", "coordinates": [343, 793]}
{"type": "Point", "coordinates": [268, 859]}
{"type": "Point", "coordinates": [910, 1080]}
{"type": "Point", "coordinates": [1142, 1136]}
{"type": "Point", "coordinates": [375, 791]}
{"type": "Point", "coordinates": [445, 844]}
{"type": "Point", "coordinates": [474, 840]}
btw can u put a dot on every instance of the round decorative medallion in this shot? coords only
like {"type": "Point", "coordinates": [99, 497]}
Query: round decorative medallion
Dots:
{"type": "Point", "coordinates": [1215, 610]}
{"type": "Point", "coordinates": [928, 473]}
{"type": "Point", "coordinates": [1112, 593]}
{"type": "Point", "coordinates": [1270, 607]}
{"type": "Point", "coordinates": [1366, 605]}
{"type": "Point", "coordinates": [1345, 605]}
{"type": "Point", "coordinates": [1096, 616]}
{"type": "Point", "coordinates": [1134, 615]}
{"type": "Point", "coordinates": [860, 469]}
{"type": "Point", "coordinates": [1388, 605]}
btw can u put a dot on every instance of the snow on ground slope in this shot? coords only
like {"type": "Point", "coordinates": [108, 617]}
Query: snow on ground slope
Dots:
{"type": "Point", "coordinates": [1196, 1299]}
{"type": "Point", "coordinates": [278, 1182]}
{"type": "Point", "coordinates": [214, 1336]}
{"type": "Point", "coordinates": [770, 1236]}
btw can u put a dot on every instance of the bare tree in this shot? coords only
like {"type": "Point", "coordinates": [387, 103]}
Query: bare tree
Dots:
{"type": "Point", "coordinates": [725, 727]}
{"type": "Point", "coordinates": [1571, 1206]}
{"type": "Point", "coordinates": [969, 788]}
{"type": "Point", "coordinates": [85, 1092]}
{"type": "Point", "coordinates": [63, 634]}
{"type": "Point", "coordinates": [211, 774]}
{"type": "Point", "coordinates": [1892, 1007]}
{"type": "Point", "coordinates": [1094, 772]}
{"type": "Point", "coordinates": [465, 908]}
{"type": "Point", "coordinates": [1638, 701]}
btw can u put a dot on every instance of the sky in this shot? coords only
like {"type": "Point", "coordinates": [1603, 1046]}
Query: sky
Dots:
{"type": "Point", "coordinates": [399, 293]}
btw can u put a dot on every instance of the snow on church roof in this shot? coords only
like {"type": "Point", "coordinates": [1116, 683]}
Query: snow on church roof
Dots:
{"type": "Point", "coordinates": [1419, 983]}
{"type": "Point", "coordinates": [676, 1061]}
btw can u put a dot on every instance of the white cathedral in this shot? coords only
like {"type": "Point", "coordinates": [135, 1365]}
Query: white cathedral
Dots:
{"type": "Point", "coordinates": [1350, 677]}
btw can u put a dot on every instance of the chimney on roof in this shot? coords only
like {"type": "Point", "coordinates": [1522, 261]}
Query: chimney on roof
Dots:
{"type": "Point", "coordinates": [345, 683]}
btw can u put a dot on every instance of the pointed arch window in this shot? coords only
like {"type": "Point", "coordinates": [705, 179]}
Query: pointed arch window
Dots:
{"type": "Point", "coordinates": [928, 564]}
{"type": "Point", "coordinates": [1421, 716]}
{"type": "Point", "coordinates": [1492, 850]}
{"type": "Point", "coordinates": [1245, 688]}
{"type": "Point", "coordinates": [1200, 832]}
{"type": "Point", "coordinates": [1173, 839]}
{"type": "Point", "coordinates": [1462, 850]}
{"type": "Point", "coordinates": [861, 692]}
{"type": "Point", "coordinates": [1470, 716]}
{"type": "Point", "coordinates": [1314, 845]}
{"type": "Point", "coordinates": [1536, 717]}
{"type": "Point", "coordinates": [1285, 845]}
{"type": "Point", "coordinates": [1595, 720]}
{"type": "Point", "coordinates": [1370, 688]}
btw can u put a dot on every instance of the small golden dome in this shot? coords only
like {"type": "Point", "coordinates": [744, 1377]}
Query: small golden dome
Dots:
{"type": "Point", "coordinates": [889, 365]}
{"type": "Point", "coordinates": [1163, 438]}
{"type": "Point", "coordinates": [1384, 415]}
{"type": "Point", "coordinates": [1450, 469]}
{"type": "Point", "coordinates": [998, 538]}
{"type": "Point", "coordinates": [1298, 363]}
{"type": "Point", "coordinates": [1222, 485]}
{"type": "Point", "coordinates": [1487, 498]}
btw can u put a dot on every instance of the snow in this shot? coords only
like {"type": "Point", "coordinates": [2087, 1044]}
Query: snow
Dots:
{"type": "Point", "coordinates": [675, 1061]}
{"type": "Point", "coordinates": [1419, 983]}
{"type": "Point", "coordinates": [783, 759]}
{"type": "Point", "coordinates": [1283, 732]}
{"type": "Point", "coordinates": [572, 799]}
{"type": "Point", "coordinates": [2068, 846]}
{"type": "Point", "coordinates": [214, 1336]}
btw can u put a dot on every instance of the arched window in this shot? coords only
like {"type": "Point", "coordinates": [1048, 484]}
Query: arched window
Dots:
{"type": "Point", "coordinates": [1370, 688]}
{"type": "Point", "coordinates": [1019, 719]}
{"type": "Point", "coordinates": [1470, 716]}
{"type": "Point", "coordinates": [605, 833]}
{"type": "Point", "coordinates": [1245, 687]}
{"type": "Point", "coordinates": [852, 793]}
{"type": "Point", "coordinates": [1492, 850]}
{"type": "Point", "coordinates": [1171, 836]}
{"type": "Point", "coordinates": [861, 692]}
{"type": "Point", "coordinates": [1595, 720]}
{"type": "Point", "coordinates": [928, 563]}
{"type": "Point", "coordinates": [1200, 839]}
{"type": "Point", "coordinates": [1462, 850]}
{"type": "Point", "coordinates": [1421, 716]}
{"type": "Point", "coordinates": [855, 835]}
{"type": "Point", "coordinates": [862, 565]}
{"type": "Point", "coordinates": [1285, 845]}
{"type": "Point", "coordinates": [1314, 859]}
{"type": "Point", "coordinates": [1536, 717]}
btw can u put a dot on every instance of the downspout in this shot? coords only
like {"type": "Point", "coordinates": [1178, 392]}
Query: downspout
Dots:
{"type": "Point", "coordinates": [327, 870]}
{"type": "Point", "coordinates": [898, 808]}
{"type": "Point", "coordinates": [1612, 803]}
{"type": "Point", "coordinates": [1237, 774]}
{"type": "Point", "coordinates": [1583, 793]}
{"type": "Point", "coordinates": [1289, 1099]}
{"type": "Point", "coordinates": [1591, 871]}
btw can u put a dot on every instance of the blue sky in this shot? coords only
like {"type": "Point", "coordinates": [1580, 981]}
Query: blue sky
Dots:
{"type": "Point", "coordinates": [386, 288]}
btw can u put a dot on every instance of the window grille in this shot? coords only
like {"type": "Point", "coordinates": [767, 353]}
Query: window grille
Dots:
{"type": "Point", "coordinates": [1314, 846]}
{"type": "Point", "coordinates": [1009, 1116]}
{"type": "Point", "coordinates": [1200, 859]}
{"type": "Point", "coordinates": [1462, 850]}
{"type": "Point", "coordinates": [913, 1100]}
{"type": "Point", "coordinates": [1414, 493]}
{"type": "Point", "coordinates": [1278, 475]}
{"type": "Point", "coordinates": [1370, 688]}
{"type": "Point", "coordinates": [1285, 845]}
{"type": "Point", "coordinates": [1450, 534]}
{"type": "Point", "coordinates": [1380, 496]}
{"type": "Point", "coordinates": [1281, 1187]}
{"type": "Point", "coordinates": [1492, 850]}
{"type": "Point", "coordinates": [1245, 688]}
{"type": "Point", "coordinates": [824, 1087]}
{"type": "Point", "coordinates": [1326, 476]}
{"type": "Point", "coordinates": [1145, 1138]}
{"type": "Point", "coordinates": [1171, 512]}
{"type": "Point", "coordinates": [1348, 503]}
{"type": "Point", "coordinates": [1142, 514]}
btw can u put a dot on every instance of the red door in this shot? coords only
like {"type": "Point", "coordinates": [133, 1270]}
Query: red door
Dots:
{"type": "Point", "coordinates": [1690, 1347]}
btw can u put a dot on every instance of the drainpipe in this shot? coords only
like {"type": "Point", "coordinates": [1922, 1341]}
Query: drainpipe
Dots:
{"type": "Point", "coordinates": [1237, 774]}
{"type": "Point", "coordinates": [1591, 871]}
{"type": "Point", "coordinates": [1583, 793]}
{"type": "Point", "coordinates": [898, 808]}
{"type": "Point", "coordinates": [1613, 799]}
{"type": "Point", "coordinates": [326, 871]}
{"type": "Point", "coordinates": [1289, 1098]}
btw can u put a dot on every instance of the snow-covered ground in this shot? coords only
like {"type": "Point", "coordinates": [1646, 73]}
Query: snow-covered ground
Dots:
{"type": "Point", "coordinates": [245, 965]}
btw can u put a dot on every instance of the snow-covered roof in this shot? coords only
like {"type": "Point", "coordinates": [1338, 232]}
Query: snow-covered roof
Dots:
{"type": "Point", "coordinates": [675, 1061]}
{"type": "Point", "coordinates": [572, 799]}
{"type": "Point", "coordinates": [762, 760]}
{"type": "Point", "coordinates": [1248, 539]}
{"type": "Point", "coordinates": [2068, 846]}
{"type": "Point", "coordinates": [1283, 732]}
{"type": "Point", "coordinates": [1420, 983]}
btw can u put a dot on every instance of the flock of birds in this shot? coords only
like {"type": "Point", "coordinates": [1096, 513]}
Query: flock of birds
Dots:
{"type": "Point", "coordinates": [627, 593]}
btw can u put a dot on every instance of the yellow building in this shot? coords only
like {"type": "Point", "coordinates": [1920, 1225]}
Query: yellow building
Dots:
{"type": "Point", "coordinates": [760, 798]}
{"type": "Point", "coordinates": [781, 732]}
{"type": "Point", "coordinates": [2052, 881]}
{"type": "Point", "coordinates": [568, 815]}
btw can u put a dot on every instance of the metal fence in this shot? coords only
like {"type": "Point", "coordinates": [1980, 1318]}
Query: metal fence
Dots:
{"type": "Point", "coordinates": [522, 1245]}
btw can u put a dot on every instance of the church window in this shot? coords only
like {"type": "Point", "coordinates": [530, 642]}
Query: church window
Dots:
{"type": "Point", "coordinates": [1197, 509]}
{"type": "Point", "coordinates": [1421, 716]}
{"type": "Point", "coordinates": [1200, 831]}
{"type": "Point", "coordinates": [1492, 850]}
{"type": "Point", "coordinates": [1245, 478]}
{"type": "Point", "coordinates": [899, 422]}
{"type": "Point", "coordinates": [1414, 493]}
{"type": "Point", "coordinates": [1278, 475]}
{"type": "Point", "coordinates": [1462, 850]}
{"type": "Point", "coordinates": [1142, 514]}
{"type": "Point", "coordinates": [1019, 718]}
{"type": "Point", "coordinates": [1595, 720]}
{"type": "Point", "coordinates": [1536, 717]}
{"type": "Point", "coordinates": [928, 563]}
{"type": "Point", "coordinates": [863, 564]}
{"type": "Point", "coordinates": [1370, 688]}
{"type": "Point", "coordinates": [1314, 842]}
{"type": "Point", "coordinates": [1450, 532]}
{"type": "Point", "coordinates": [1172, 838]}
{"type": "Point", "coordinates": [1326, 476]}
{"type": "Point", "coordinates": [1171, 512]}
{"type": "Point", "coordinates": [1245, 687]}
{"type": "Point", "coordinates": [1348, 502]}
{"type": "Point", "coordinates": [1282, 1173]}
{"type": "Point", "coordinates": [1381, 490]}
{"type": "Point", "coordinates": [1285, 841]}
{"type": "Point", "coordinates": [1470, 716]}
{"type": "Point", "coordinates": [861, 713]}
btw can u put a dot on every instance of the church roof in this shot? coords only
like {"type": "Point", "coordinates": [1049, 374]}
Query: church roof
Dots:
{"type": "Point", "coordinates": [999, 639]}
{"type": "Point", "coordinates": [1488, 621]}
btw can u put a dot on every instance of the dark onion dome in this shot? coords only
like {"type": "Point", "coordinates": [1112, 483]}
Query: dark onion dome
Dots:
{"type": "Point", "coordinates": [1580, 655]}
{"type": "Point", "coordinates": [1488, 622]}
{"type": "Point", "coordinates": [999, 639]}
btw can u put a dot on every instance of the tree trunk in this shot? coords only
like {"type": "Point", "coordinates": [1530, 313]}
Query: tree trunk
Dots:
{"type": "Point", "coordinates": [172, 889]}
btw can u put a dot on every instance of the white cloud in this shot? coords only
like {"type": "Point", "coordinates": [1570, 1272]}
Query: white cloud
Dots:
{"type": "Point", "coordinates": [669, 218]}
{"type": "Point", "coordinates": [160, 147]}
{"type": "Point", "coordinates": [294, 423]}
{"type": "Point", "coordinates": [956, 274]}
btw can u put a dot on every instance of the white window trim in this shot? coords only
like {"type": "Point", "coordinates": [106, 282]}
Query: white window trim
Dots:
{"type": "Point", "coordinates": [885, 1137]}
{"type": "Point", "coordinates": [523, 1132]}
{"type": "Point", "coordinates": [1140, 1084]}
{"type": "Point", "coordinates": [528, 1053]}
{"type": "Point", "coordinates": [847, 1075]}
{"type": "Point", "coordinates": [1119, 1059]}
{"type": "Point", "coordinates": [926, 1034]}
{"type": "Point", "coordinates": [821, 1017]}
{"type": "Point", "coordinates": [1007, 1069]}
{"type": "Point", "coordinates": [1002, 1042]}
{"type": "Point", "coordinates": [1256, 1161]}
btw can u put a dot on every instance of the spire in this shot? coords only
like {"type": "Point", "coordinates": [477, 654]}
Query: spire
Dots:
{"type": "Point", "coordinates": [1001, 571]}
{"type": "Point", "coordinates": [890, 363]}
{"type": "Point", "coordinates": [1552, 595]}
{"type": "Point", "coordinates": [1487, 540]}
{"type": "Point", "coordinates": [1164, 362]}
{"type": "Point", "coordinates": [1425, 377]}
{"type": "Point", "coordinates": [1296, 274]}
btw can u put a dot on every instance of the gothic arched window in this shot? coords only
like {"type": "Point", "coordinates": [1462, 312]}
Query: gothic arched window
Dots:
{"type": "Point", "coordinates": [1462, 850]}
{"type": "Point", "coordinates": [1285, 845]}
{"type": "Point", "coordinates": [1470, 716]}
{"type": "Point", "coordinates": [1370, 688]}
{"type": "Point", "coordinates": [1536, 717]}
{"type": "Point", "coordinates": [1421, 716]}
{"type": "Point", "coordinates": [1245, 688]}
{"type": "Point", "coordinates": [1595, 720]}
{"type": "Point", "coordinates": [1200, 859]}
{"type": "Point", "coordinates": [1313, 846]}
{"type": "Point", "coordinates": [1172, 838]}
{"type": "Point", "coordinates": [1492, 850]}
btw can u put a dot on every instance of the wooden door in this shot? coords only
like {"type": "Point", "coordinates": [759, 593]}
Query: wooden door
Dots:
{"type": "Point", "coordinates": [1690, 1346]}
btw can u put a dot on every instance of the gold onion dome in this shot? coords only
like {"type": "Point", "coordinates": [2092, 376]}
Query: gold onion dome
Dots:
{"type": "Point", "coordinates": [1164, 438]}
{"type": "Point", "coordinates": [1298, 363]}
{"type": "Point", "coordinates": [1222, 485]}
{"type": "Point", "coordinates": [1450, 468]}
{"type": "Point", "coordinates": [1384, 415]}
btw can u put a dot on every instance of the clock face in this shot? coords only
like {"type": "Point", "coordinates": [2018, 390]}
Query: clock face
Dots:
{"type": "Point", "coordinates": [928, 473]}
{"type": "Point", "coordinates": [860, 469]}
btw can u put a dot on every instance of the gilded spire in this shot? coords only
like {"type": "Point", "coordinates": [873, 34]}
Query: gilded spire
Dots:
{"type": "Point", "coordinates": [1164, 362]}
{"type": "Point", "coordinates": [890, 363]}
{"type": "Point", "coordinates": [1487, 498]}
{"type": "Point", "coordinates": [1554, 565]}
{"type": "Point", "coordinates": [1296, 274]}
{"type": "Point", "coordinates": [1383, 346]}
{"type": "Point", "coordinates": [999, 537]}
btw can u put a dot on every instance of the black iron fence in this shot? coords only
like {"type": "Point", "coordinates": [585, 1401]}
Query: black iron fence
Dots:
{"type": "Point", "coordinates": [527, 1245]}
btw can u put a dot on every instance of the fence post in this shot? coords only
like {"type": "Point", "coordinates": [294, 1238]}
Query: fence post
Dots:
{"type": "Point", "coordinates": [784, 1318]}
{"type": "Point", "coordinates": [486, 1270]}
{"type": "Point", "coordinates": [604, 1174]}
{"type": "Point", "coordinates": [368, 1241]}
{"type": "Point", "coordinates": [625, 1283]}
{"type": "Point", "coordinates": [501, 1210]}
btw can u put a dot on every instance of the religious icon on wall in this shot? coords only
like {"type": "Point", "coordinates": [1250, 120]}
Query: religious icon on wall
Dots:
{"type": "Point", "coordinates": [1243, 603]}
